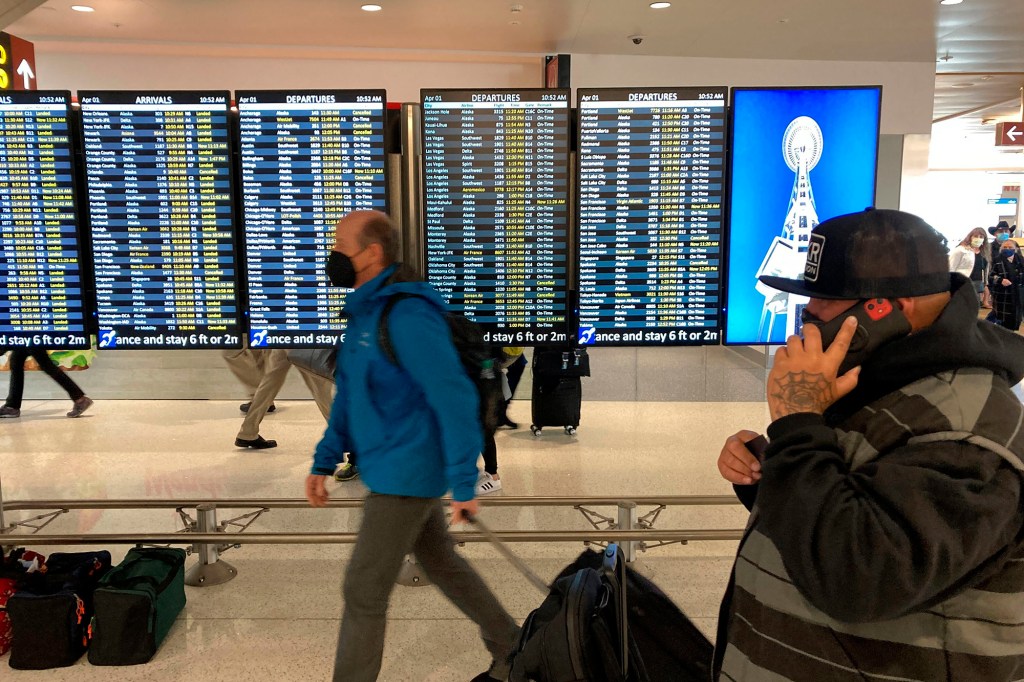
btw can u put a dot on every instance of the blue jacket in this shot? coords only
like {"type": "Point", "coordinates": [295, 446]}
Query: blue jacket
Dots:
{"type": "Point", "coordinates": [414, 426]}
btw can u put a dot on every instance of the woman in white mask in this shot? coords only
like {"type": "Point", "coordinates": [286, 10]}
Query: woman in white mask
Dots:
{"type": "Point", "coordinates": [968, 258]}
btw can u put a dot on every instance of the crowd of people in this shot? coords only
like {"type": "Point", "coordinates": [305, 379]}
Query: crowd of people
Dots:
{"type": "Point", "coordinates": [995, 269]}
{"type": "Point", "coordinates": [886, 530]}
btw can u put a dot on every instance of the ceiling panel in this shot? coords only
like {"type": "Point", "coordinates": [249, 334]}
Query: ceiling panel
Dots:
{"type": "Point", "coordinates": [874, 30]}
{"type": "Point", "coordinates": [978, 45]}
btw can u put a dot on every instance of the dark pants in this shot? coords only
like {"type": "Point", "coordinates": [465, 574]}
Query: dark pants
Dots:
{"type": "Point", "coordinates": [515, 373]}
{"type": "Point", "coordinates": [490, 454]}
{"type": "Point", "coordinates": [17, 387]}
{"type": "Point", "coordinates": [392, 528]}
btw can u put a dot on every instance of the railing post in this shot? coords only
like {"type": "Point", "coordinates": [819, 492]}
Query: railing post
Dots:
{"type": "Point", "coordinates": [3, 524]}
{"type": "Point", "coordinates": [627, 521]}
{"type": "Point", "coordinates": [211, 569]}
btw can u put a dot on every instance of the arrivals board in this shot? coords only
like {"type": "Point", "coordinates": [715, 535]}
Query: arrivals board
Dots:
{"type": "Point", "coordinates": [158, 175]}
{"type": "Point", "coordinates": [651, 177]}
{"type": "Point", "coordinates": [41, 301]}
{"type": "Point", "coordinates": [497, 182]}
{"type": "Point", "coordinates": [308, 158]}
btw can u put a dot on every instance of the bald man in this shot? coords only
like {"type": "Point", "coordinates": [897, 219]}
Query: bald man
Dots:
{"type": "Point", "coordinates": [416, 428]}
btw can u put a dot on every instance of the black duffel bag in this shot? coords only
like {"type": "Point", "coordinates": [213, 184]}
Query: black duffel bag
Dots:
{"type": "Point", "coordinates": [51, 610]}
{"type": "Point", "coordinates": [136, 604]}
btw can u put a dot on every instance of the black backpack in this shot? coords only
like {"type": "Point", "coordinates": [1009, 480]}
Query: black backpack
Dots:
{"type": "Point", "coordinates": [579, 613]}
{"type": "Point", "coordinates": [576, 634]}
{"type": "Point", "coordinates": [480, 359]}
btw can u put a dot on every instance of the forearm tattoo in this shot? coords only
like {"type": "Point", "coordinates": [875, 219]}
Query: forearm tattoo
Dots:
{"type": "Point", "coordinates": [802, 392]}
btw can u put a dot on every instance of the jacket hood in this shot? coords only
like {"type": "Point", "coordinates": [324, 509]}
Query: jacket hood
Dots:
{"type": "Point", "coordinates": [395, 279]}
{"type": "Point", "coordinates": [957, 339]}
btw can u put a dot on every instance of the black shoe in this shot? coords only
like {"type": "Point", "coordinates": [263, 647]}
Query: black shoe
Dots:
{"type": "Point", "coordinates": [257, 443]}
{"type": "Point", "coordinates": [505, 421]}
{"type": "Point", "coordinates": [244, 407]}
{"type": "Point", "coordinates": [486, 677]}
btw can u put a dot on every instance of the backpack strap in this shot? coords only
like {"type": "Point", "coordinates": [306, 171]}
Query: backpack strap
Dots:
{"type": "Point", "coordinates": [383, 335]}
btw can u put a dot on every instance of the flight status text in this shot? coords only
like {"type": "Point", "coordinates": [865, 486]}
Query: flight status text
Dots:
{"type": "Point", "coordinates": [496, 171]}
{"type": "Point", "coordinates": [40, 277]}
{"type": "Point", "coordinates": [159, 180]}
{"type": "Point", "coordinates": [651, 165]}
{"type": "Point", "coordinates": [308, 158]}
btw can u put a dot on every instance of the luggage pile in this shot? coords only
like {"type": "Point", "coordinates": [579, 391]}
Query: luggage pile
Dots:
{"type": "Point", "coordinates": [53, 610]}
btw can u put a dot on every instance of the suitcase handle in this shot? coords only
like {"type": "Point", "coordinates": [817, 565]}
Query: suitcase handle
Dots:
{"type": "Point", "coordinates": [503, 549]}
{"type": "Point", "coordinates": [615, 567]}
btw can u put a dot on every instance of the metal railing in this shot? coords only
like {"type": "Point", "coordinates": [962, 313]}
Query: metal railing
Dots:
{"type": "Point", "coordinates": [209, 538]}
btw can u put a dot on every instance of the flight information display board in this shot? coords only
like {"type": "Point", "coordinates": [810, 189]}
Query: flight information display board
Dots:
{"type": "Point", "coordinates": [651, 177]}
{"type": "Point", "coordinates": [308, 158]}
{"type": "Point", "coordinates": [41, 302]}
{"type": "Point", "coordinates": [497, 181]}
{"type": "Point", "coordinates": [158, 168]}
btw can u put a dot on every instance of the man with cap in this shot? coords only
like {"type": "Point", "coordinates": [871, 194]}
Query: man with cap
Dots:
{"type": "Point", "coordinates": [886, 534]}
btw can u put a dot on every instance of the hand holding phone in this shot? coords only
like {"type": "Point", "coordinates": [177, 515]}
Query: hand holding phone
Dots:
{"type": "Point", "coordinates": [878, 322]}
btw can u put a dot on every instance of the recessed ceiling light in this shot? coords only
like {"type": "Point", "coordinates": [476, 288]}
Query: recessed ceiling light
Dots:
{"type": "Point", "coordinates": [660, 5]}
{"type": "Point", "coordinates": [82, 8]}
{"type": "Point", "coordinates": [950, 2]}
{"type": "Point", "coordinates": [962, 85]}
{"type": "Point", "coordinates": [371, 8]}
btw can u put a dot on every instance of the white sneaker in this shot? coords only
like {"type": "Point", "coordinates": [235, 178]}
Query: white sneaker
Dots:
{"type": "Point", "coordinates": [487, 484]}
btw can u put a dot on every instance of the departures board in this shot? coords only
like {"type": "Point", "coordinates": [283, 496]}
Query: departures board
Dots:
{"type": "Point", "coordinates": [496, 191]}
{"type": "Point", "coordinates": [40, 260]}
{"type": "Point", "coordinates": [308, 158]}
{"type": "Point", "coordinates": [158, 169]}
{"type": "Point", "coordinates": [651, 178]}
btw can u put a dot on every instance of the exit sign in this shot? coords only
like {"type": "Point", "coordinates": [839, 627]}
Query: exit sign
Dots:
{"type": "Point", "coordinates": [1010, 134]}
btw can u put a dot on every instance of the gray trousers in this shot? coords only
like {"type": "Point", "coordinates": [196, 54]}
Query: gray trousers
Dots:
{"type": "Point", "coordinates": [392, 528]}
{"type": "Point", "coordinates": [263, 373]}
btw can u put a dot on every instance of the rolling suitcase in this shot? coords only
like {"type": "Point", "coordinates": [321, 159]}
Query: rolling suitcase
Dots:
{"type": "Point", "coordinates": [557, 390]}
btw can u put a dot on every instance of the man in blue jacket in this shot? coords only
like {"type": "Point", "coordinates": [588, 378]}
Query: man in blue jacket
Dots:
{"type": "Point", "coordinates": [416, 429]}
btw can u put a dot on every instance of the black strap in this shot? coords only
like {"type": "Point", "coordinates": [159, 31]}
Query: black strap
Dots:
{"type": "Point", "coordinates": [383, 335]}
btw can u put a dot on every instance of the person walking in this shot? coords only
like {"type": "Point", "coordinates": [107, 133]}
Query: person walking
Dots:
{"type": "Point", "coordinates": [11, 409]}
{"type": "Point", "coordinates": [263, 373]}
{"type": "Point", "coordinates": [969, 258]}
{"type": "Point", "coordinates": [1005, 280]}
{"type": "Point", "coordinates": [416, 428]}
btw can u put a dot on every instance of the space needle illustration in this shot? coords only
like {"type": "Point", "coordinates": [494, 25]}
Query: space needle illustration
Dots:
{"type": "Point", "coordinates": [801, 147]}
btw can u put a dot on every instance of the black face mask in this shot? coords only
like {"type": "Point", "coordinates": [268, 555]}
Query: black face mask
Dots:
{"type": "Point", "coordinates": [340, 270]}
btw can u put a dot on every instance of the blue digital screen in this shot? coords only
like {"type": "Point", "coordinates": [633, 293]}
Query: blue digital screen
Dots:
{"type": "Point", "coordinates": [41, 299]}
{"type": "Point", "coordinates": [161, 214]}
{"type": "Point", "coordinates": [308, 158]}
{"type": "Point", "coordinates": [798, 157]}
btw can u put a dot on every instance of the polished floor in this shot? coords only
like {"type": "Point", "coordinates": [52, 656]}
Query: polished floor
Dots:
{"type": "Point", "coordinates": [279, 618]}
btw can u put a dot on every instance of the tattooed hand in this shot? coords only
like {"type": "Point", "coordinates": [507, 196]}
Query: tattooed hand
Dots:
{"type": "Point", "coordinates": [804, 376]}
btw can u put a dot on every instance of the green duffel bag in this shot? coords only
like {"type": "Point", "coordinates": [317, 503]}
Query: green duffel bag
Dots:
{"type": "Point", "coordinates": [136, 603]}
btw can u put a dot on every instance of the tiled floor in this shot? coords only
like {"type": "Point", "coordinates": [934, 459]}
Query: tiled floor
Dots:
{"type": "Point", "coordinates": [279, 618]}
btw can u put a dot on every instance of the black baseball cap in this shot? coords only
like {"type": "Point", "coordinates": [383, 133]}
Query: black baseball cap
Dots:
{"type": "Point", "coordinates": [876, 253]}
